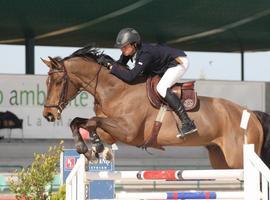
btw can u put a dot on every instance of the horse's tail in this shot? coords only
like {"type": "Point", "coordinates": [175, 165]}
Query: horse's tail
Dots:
{"type": "Point", "coordinates": [264, 118]}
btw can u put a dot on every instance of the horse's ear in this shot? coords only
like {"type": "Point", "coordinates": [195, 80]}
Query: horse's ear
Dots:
{"type": "Point", "coordinates": [47, 62]}
{"type": "Point", "coordinates": [54, 63]}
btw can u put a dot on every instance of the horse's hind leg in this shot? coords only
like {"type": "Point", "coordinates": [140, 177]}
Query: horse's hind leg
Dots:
{"type": "Point", "coordinates": [216, 157]}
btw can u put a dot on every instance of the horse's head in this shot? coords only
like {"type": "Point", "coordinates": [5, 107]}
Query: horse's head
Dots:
{"type": "Point", "coordinates": [68, 76]}
{"type": "Point", "coordinates": [59, 89]}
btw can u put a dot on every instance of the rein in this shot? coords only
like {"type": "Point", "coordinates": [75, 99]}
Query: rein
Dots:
{"type": "Point", "coordinates": [63, 101]}
{"type": "Point", "coordinates": [95, 77]}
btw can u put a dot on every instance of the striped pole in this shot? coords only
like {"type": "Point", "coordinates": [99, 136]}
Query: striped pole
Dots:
{"type": "Point", "coordinates": [169, 175]}
{"type": "Point", "coordinates": [180, 195]}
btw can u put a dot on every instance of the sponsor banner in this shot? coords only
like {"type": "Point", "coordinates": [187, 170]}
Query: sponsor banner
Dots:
{"type": "Point", "coordinates": [24, 95]}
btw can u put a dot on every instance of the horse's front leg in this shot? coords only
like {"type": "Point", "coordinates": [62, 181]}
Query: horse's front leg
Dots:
{"type": "Point", "coordinates": [75, 125]}
{"type": "Point", "coordinates": [81, 147]}
{"type": "Point", "coordinates": [110, 129]}
{"type": "Point", "coordinates": [113, 129]}
{"type": "Point", "coordinates": [97, 144]}
{"type": "Point", "coordinates": [119, 129]}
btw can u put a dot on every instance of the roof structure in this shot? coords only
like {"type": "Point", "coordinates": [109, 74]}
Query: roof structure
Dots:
{"type": "Point", "coordinates": [191, 25]}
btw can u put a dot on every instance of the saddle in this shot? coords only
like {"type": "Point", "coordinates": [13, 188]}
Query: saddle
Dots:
{"type": "Point", "coordinates": [184, 91]}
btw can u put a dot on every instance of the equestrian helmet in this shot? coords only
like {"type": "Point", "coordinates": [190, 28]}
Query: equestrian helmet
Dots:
{"type": "Point", "coordinates": [127, 36]}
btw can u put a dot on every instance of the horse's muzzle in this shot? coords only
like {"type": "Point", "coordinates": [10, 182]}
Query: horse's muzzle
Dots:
{"type": "Point", "coordinates": [50, 117]}
{"type": "Point", "coordinates": [52, 114]}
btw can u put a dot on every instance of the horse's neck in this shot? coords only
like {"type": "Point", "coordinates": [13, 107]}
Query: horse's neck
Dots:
{"type": "Point", "coordinates": [101, 84]}
{"type": "Point", "coordinates": [109, 87]}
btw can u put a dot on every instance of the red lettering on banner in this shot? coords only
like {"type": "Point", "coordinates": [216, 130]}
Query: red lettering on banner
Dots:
{"type": "Point", "coordinates": [69, 162]}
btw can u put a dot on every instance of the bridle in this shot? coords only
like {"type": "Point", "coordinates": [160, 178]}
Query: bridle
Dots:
{"type": "Point", "coordinates": [63, 101]}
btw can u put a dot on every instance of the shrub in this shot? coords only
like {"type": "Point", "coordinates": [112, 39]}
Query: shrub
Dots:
{"type": "Point", "coordinates": [30, 183]}
{"type": "Point", "coordinates": [60, 194]}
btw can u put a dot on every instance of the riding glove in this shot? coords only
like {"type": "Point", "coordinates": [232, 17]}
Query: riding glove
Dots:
{"type": "Point", "coordinates": [102, 60]}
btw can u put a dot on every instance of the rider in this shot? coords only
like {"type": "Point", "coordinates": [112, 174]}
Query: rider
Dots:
{"type": "Point", "coordinates": [148, 59]}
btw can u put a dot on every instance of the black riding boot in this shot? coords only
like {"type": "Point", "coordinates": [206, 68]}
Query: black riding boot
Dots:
{"type": "Point", "coordinates": [188, 126]}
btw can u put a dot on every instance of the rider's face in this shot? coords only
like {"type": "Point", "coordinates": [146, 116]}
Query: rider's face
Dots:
{"type": "Point", "coordinates": [128, 50]}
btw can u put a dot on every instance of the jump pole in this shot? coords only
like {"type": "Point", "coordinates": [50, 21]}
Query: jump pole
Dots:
{"type": "Point", "coordinates": [169, 175]}
{"type": "Point", "coordinates": [180, 195]}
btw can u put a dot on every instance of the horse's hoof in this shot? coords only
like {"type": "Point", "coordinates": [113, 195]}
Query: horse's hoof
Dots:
{"type": "Point", "coordinates": [81, 148]}
{"type": "Point", "coordinates": [91, 157]}
{"type": "Point", "coordinates": [107, 154]}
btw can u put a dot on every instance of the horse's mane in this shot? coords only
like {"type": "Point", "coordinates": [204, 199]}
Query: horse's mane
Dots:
{"type": "Point", "coordinates": [86, 52]}
{"type": "Point", "coordinates": [90, 52]}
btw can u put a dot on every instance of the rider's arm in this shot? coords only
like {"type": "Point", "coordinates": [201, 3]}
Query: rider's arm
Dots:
{"type": "Point", "coordinates": [130, 75]}
{"type": "Point", "coordinates": [123, 60]}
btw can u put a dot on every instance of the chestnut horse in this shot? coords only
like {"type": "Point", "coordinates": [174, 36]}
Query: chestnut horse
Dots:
{"type": "Point", "coordinates": [124, 113]}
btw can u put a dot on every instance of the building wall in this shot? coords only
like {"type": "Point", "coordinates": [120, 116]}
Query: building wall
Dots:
{"type": "Point", "coordinates": [252, 95]}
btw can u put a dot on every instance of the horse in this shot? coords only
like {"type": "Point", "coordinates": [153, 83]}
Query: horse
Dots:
{"type": "Point", "coordinates": [124, 113]}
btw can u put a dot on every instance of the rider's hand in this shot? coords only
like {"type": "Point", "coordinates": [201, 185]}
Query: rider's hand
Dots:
{"type": "Point", "coordinates": [102, 60]}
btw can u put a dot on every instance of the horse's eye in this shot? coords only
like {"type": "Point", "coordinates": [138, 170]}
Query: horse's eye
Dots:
{"type": "Point", "coordinates": [58, 82]}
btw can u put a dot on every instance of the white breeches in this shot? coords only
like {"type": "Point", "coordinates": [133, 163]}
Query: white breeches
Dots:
{"type": "Point", "coordinates": [172, 76]}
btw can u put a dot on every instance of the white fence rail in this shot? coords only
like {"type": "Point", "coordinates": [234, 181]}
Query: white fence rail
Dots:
{"type": "Point", "coordinates": [256, 177]}
{"type": "Point", "coordinates": [76, 181]}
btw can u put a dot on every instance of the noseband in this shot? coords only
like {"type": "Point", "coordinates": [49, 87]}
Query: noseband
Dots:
{"type": "Point", "coordinates": [63, 101]}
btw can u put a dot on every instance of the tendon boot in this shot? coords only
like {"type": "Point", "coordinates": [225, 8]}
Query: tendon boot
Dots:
{"type": "Point", "coordinates": [96, 142]}
{"type": "Point", "coordinates": [188, 125]}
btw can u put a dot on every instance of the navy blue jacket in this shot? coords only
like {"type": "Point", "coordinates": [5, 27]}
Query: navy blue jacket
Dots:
{"type": "Point", "coordinates": [150, 60]}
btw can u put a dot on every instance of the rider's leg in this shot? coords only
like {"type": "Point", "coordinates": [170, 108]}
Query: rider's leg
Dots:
{"type": "Point", "coordinates": [172, 76]}
{"type": "Point", "coordinates": [187, 125]}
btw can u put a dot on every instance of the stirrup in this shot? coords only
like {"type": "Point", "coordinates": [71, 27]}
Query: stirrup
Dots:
{"type": "Point", "coordinates": [183, 135]}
